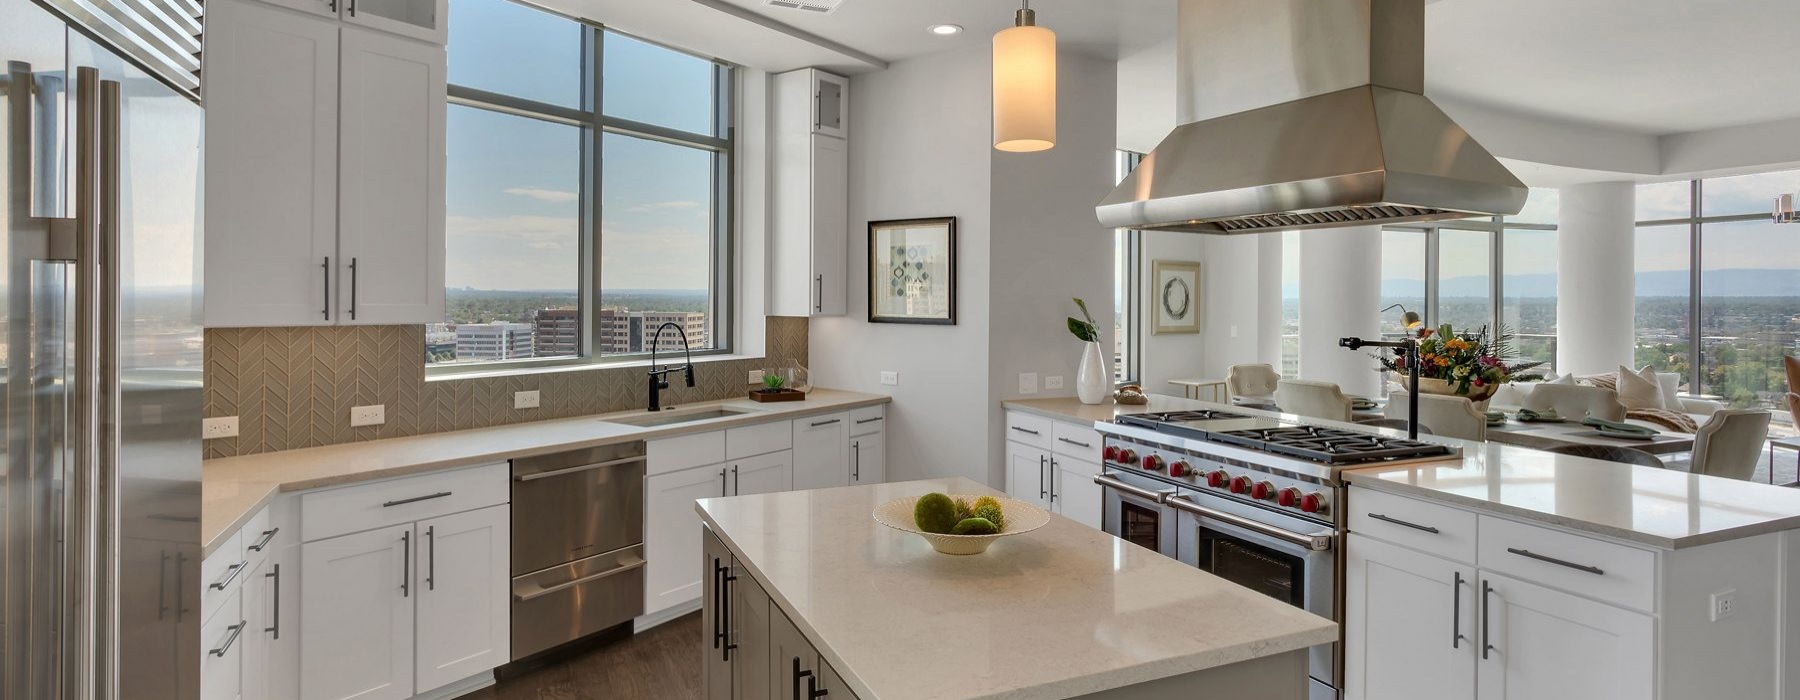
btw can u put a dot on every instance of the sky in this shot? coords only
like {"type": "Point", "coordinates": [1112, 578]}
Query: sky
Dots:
{"type": "Point", "coordinates": [514, 183]}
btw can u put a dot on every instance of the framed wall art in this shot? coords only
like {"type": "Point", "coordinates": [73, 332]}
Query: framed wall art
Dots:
{"type": "Point", "coordinates": [912, 271]}
{"type": "Point", "coordinates": [1175, 297]}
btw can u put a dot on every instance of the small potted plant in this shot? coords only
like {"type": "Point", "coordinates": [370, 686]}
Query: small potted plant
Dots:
{"type": "Point", "coordinates": [774, 388]}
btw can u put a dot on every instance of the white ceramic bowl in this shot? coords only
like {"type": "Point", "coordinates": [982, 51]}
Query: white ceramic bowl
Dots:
{"type": "Point", "coordinates": [1021, 517]}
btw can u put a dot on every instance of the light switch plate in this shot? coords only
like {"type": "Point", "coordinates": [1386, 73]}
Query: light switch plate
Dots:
{"type": "Point", "coordinates": [890, 379]}
{"type": "Point", "coordinates": [526, 399]}
{"type": "Point", "coordinates": [362, 416]}
{"type": "Point", "coordinates": [1053, 382]}
{"type": "Point", "coordinates": [213, 428]}
{"type": "Point", "coordinates": [1028, 383]}
{"type": "Point", "coordinates": [1724, 604]}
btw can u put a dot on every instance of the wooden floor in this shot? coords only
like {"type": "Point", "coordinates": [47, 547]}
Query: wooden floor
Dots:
{"type": "Point", "coordinates": [661, 664]}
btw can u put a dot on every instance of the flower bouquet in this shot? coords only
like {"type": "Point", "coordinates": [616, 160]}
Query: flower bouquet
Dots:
{"type": "Point", "coordinates": [1472, 365]}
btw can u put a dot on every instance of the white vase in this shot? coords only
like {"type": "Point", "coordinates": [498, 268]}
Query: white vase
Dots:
{"type": "Point", "coordinates": [1092, 380]}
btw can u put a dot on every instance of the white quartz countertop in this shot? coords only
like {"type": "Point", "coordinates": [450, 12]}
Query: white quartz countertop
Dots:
{"type": "Point", "coordinates": [233, 488]}
{"type": "Point", "coordinates": [1660, 508]}
{"type": "Point", "coordinates": [1060, 612]}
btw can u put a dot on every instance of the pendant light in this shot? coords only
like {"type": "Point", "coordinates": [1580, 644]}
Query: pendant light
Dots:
{"type": "Point", "coordinates": [1025, 85]}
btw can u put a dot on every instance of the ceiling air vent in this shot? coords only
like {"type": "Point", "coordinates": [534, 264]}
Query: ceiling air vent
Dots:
{"type": "Point", "coordinates": [823, 7]}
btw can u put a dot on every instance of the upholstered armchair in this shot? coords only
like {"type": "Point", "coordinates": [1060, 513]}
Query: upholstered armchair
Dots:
{"type": "Point", "coordinates": [1254, 381]}
{"type": "Point", "coordinates": [1730, 443]}
{"type": "Point", "coordinates": [1448, 416]}
{"type": "Point", "coordinates": [1312, 399]}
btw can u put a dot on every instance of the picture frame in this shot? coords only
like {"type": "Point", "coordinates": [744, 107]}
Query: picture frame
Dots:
{"type": "Point", "coordinates": [912, 271]}
{"type": "Point", "coordinates": [1174, 297]}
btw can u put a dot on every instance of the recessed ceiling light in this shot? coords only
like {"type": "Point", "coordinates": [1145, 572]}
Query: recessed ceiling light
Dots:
{"type": "Point", "coordinates": [945, 29]}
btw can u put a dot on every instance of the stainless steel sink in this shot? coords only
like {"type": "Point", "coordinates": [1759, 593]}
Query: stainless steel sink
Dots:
{"type": "Point", "coordinates": [651, 420]}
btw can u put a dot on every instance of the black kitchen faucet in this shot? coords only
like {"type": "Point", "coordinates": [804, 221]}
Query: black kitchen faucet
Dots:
{"type": "Point", "coordinates": [659, 378]}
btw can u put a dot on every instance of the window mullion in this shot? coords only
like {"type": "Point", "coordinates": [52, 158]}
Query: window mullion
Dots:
{"type": "Point", "coordinates": [592, 243]}
{"type": "Point", "coordinates": [1697, 383]}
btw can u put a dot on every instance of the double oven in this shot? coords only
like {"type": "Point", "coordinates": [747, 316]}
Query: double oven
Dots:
{"type": "Point", "coordinates": [1287, 556]}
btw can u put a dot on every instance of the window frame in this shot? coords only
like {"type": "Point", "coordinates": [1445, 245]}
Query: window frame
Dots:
{"type": "Point", "coordinates": [1496, 228]}
{"type": "Point", "coordinates": [595, 124]}
{"type": "Point", "coordinates": [1130, 319]}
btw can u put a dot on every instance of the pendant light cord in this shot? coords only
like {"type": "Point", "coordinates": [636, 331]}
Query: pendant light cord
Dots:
{"type": "Point", "coordinates": [1026, 17]}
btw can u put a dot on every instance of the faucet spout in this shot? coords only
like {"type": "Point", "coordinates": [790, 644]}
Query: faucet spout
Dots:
{"type": "Point", "coordinates": [659, 377]}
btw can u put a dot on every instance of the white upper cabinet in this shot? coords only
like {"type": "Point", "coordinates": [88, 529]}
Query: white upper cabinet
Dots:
{"type": "Point", "coordinates": [425, 20]}
{"type": "Point", "coordinates": [271, 154]}
{"type": "Point", "coordinates": [391, 191]}
{"type": "Point", "coordinates": [809, 209]}
{"type": "Point", "coordinates": [325, 153]}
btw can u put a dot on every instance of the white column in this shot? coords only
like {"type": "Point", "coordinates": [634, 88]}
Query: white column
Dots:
{"type": "Point", "coordinates": [1340, 296]}
{"type": "Point", "coordinates": [1268, 298]}
{"type": "Point", "coordinates": [1596, 285]}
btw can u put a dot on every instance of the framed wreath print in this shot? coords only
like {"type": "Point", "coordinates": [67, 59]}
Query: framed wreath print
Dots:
{"type": "Point", "coordinates": [912, 271]}
{"type": "Point", "coordinates": [1175, 297]}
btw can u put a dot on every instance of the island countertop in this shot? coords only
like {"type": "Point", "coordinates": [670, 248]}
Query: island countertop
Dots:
{"type": "Point", "coordinates": [1060, 612]}
{"type": "Point", "coordinates": [1661, 508]}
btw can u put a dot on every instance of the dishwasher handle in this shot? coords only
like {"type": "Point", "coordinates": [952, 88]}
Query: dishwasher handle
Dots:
{"type": "Point", "coordinates": [571, 583]}
{"type": "Point", "coordinates": [585, 467]}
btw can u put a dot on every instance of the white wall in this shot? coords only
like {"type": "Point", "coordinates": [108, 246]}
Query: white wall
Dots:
{"type": "Point", "coordinates": [1047, 245]}
{"type": "Point", "coordinates": [1146, 100]}
{"type": "Point", "coordinates": [1340, 296]}
{"type": "Point", "coordinates": [1596, 283]}
{"type": "Point", "coordinates": [919, 147]}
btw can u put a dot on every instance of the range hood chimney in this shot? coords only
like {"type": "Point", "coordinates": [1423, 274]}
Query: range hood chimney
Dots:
{"type": "Point", "coordinates": [1300, 114]}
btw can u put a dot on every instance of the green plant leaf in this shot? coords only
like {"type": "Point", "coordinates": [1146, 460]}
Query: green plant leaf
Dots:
{"type": "Point", "coordinates": [1083, 330]}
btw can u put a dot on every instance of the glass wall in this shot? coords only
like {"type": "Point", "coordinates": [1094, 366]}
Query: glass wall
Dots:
{"type": "Point", "coordinates": [1663, 300]}
{"type": "Point", "coordinates": [1528, 308]}
{"type": "Point", "coordinates": [1402, 277]}
{"type": "Point", "coordinates": [1290, 303]}
{"type": "Point", "coordinates": [1465, 297]}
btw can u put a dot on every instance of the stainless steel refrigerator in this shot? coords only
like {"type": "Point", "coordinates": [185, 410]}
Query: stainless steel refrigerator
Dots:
{"type": "Point", "coordinates": [101, 364]}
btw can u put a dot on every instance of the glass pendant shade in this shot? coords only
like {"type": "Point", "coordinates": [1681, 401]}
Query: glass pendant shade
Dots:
{"type": "Point", "coordinates": [1025, 89]}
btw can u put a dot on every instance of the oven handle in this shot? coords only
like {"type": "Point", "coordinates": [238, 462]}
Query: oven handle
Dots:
{"type": "Point", "coordinates": [1316, 543]}
{"type": "Point", "coordinates": [1111, 483]}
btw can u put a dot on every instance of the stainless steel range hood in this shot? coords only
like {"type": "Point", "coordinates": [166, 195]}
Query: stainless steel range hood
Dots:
{"type": "Point", "coordinates": [1304, 114]}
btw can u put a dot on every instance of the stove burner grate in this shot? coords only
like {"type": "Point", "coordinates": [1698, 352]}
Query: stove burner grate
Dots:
{"type": "Point", "coordinates": [1330, 445]}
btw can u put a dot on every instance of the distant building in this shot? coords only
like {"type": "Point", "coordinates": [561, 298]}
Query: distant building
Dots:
{"type": "Point", "coordinates": [623, 331]}
{"type": "Point", "coordinates": [558, 332]}
{"type": "Point", "coordinates": [486, 342]}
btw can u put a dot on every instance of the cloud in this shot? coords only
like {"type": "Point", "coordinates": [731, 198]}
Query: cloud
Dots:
{"type": "Point", "coordinates": [543, 195]}
{"type": "Point", "coordinates": [680, 204]}
{"type": "Point", "coordinates": [533, 232]}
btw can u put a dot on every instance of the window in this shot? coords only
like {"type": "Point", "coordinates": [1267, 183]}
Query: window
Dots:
{"type": "Point", "coordinates": [1290, 304]}
{"type": "Point", "coordinates": [1717, 281]}
{"type": "Point", "coordinates": [1465, 265]}
{"type": "Point", "coordinates": [1528, 279]}
{"type": "Point", "coordinates": [580, 218]}
{"type": "Point", "coordinates": [1127, 259]}
{"type": "Point", "coordinates": [1402, 278]}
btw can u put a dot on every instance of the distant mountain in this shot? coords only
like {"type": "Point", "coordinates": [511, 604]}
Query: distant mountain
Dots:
{"type": "Point", "coordinates": [1741, 282]}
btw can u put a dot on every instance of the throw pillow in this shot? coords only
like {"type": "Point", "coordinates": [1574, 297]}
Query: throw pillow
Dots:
{"type": "Point", "coordinates": [1555, 378]}
{"type": "Point", "coordinates": [1639, 390]}
{"type": "Point", "coordinates": [1671, 390]}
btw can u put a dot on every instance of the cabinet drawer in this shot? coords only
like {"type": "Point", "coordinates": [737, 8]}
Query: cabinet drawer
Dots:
{"type": "Point", "coordinates": [1613, 573]}
{"type": "Point", "coordinates": [678, 453]}
{"type": "Point", "coordinates": [1427, 527]}
{"type": "Point", "coordinates": [1030, 429]}
{"type": "Point", "coordinates": [383, 503]}
{"type": "Point", "coordinates": [1077, 440]}
{"type": "Point", "coordinates": [222, 639]}
{"type": "Point", "coordinates": [864, 421]}
{"type": "Point", "coordinates": [222, 574]}
{"type": "Point", "coordinates": [753, 440]}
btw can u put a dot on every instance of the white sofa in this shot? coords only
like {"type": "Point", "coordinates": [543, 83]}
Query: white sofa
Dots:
{"type": "Point", "coordinates": [1511, 396]}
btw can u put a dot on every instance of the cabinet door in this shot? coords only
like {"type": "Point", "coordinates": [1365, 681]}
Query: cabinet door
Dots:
{"type": "Point", "coordinates": [1410, 625]}
{"type": "Point", "coordinates": [830, 225]}
{"type": "Point", "coordinates": [356, 616]}
{"type": "Point", "coordinates": [390, 266]}
{"type": "Point", "coordinates": [716, 672]}
{"type": "Point", "coordinates": [425, 20]}
{"type": "Point", "coordinates": [222, 651]}
{"type": "Point", "coordinates": [271, 87]}
{"type": "Point", "coordinates": [280, 625]}
{"type": "Point", "coordinates": [257, 597]}
{"type": "Point", "coordinates": [792, 659]}
{"type": "Point", "coordinates": [1549, 645]}
{"type": "Point", "coordinates": [672, 533]}
{"type": "Point", "coordinates": [833, 683]}
{"type": "Point", "coordinates": [831, 105]}
{"type": "Point", "coordinates": [770, 473]}
{"type": "Point", "coordinates": [1078, 498]}
{"type": "Point", "coordinates": [868, 458]}
{"type": "Point", "coordinates": [750, 612]}
{"type": "Point", "coordinates": [822, 451]}
{"type": "Point", "coordinates": [321, 8]}
{"type": "Point", "coordinates": [1028, 474]}
{"type": "Point", "coordinates": [464, 594]}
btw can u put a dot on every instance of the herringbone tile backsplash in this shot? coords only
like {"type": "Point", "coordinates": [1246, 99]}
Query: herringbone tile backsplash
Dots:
{"type": "Point", "coordinates": [294, 387]}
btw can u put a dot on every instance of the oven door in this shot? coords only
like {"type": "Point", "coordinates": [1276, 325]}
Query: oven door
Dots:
{"type": "Point", "coordinates": [1133, 511]}
{"type": "Point", "coordinates": [1286, 558]}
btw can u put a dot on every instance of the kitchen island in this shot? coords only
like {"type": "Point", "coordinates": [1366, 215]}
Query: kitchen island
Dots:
{"type": "Point", "coordinates": [808, 594]}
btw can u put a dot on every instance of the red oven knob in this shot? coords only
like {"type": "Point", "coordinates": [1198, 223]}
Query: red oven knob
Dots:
{"type": "Point", "coordinates": [1127, 456]}
{"type": "Point", "coordinates": [1240, 484]}
{"type": "Point", "coordinates": [1313, 503]}
{"type": "Point", "coordinates": [1110, 453]}
{"type": "Point", "coordinates": [1180, 468]}
{"type": "Point", "coordinates": [1289, 497]}
{"type": "Point", "coordinates": [1216, 479]}
{"type": "Point", "coordinates": [1153, 463]}
{"type": "Point", "coordinates": [1263, 491]}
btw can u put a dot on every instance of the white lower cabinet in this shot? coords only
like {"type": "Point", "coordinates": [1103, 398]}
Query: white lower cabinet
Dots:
{"type": "Point", "coordinates": [822, 451]}
{"type": "Point", "coordinates": [1078, 498]}
{"type": "Point", "coordinates": [222, 641]}
{"type": "Point", "coordinates": [1028, 474]}
{"type": "Point", "coordinates": [1052, 464]}
{"type": "Point", "coordinates": [356, 616]}
{"type": "Point", "coordinates": [1424, 646]}
{"type": "Point", "coordinates": [671, 526]}
{"type": "Point", "coordinates": [1550, 645]}
{"type": "Point", "coordinates": [868, 458]}
{"type": "Point", "coordinates": [272, 642]}
{"type": "Point", "coordinates": [464, 598]}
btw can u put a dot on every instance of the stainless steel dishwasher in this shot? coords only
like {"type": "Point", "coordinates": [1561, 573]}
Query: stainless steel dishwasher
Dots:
{"type": "Point", "coordinates": [577, 544]}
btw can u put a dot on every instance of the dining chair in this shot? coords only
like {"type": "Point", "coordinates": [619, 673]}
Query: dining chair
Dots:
{"type": "Point", "coordinates": [1448, 416]}
{"type": "Point", "coordinates": [1312, 399]}
{"type": "Point", "coordinates": [1394, 423]}
{"type": "Point", "coordinates": [1731, 443]}
{"type": "Point", "coordinates": [1576, 401]}
{"type": "Point", "coordinates": [1610, 453]}
{"type": "Point", "coordinates": [1792, 365]}
{"type": "Point", "coordinates": [1254, 380]}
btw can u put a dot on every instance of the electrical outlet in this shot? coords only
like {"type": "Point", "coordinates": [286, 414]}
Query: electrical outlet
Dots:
{"type": "Point", "coordinates": [756, 376]}
{"type": "Point", "coordinates": [213, 428]}
{"type": "Point", "coordinates": [361, 416]}
{"type": "Point", "coordinates": [526, 399]}
{"type": "Point", "coordinates": [890, 379]}
{"type": "Point", "coordinates": [1724, 604]}
{"type": "Point", "coordinates": [1028, 383]}
{"type": "Point", "coordinates": [1053, 382]}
